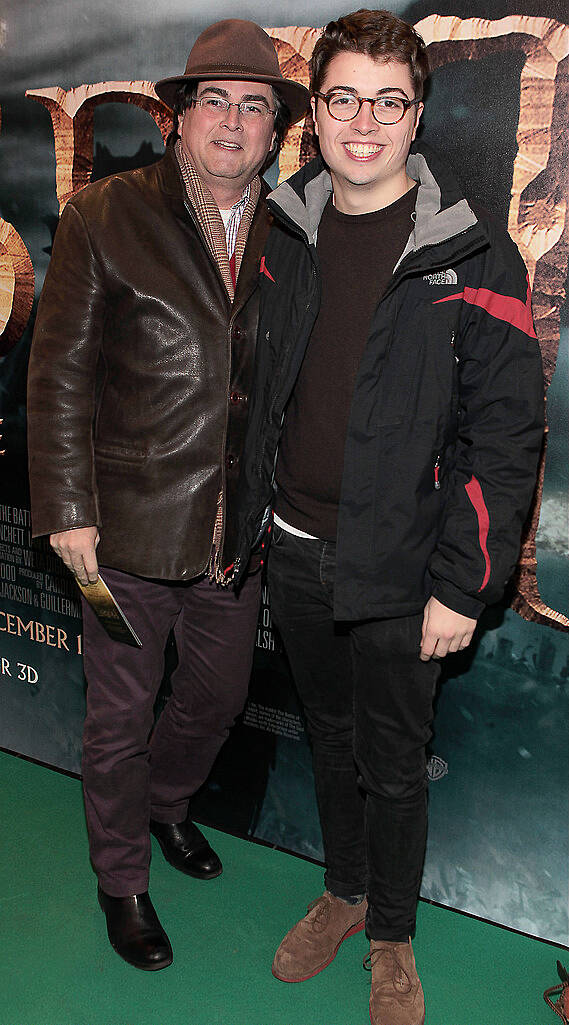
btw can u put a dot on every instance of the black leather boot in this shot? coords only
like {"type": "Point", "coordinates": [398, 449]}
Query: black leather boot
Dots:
{"type": "Point", "coordinates": [135, 932]}
{"type": "Point", "coordinates": [186, 848]}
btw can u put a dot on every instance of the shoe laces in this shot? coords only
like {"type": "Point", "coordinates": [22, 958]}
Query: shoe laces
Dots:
{"type": "Point", "coordinates": [399, 976]}
{"type": "Point", "coordinates": [322, 906]}
{"type": "Point", "coordinates": [562, 992]}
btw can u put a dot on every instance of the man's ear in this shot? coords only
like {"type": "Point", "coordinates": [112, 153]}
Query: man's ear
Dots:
{"type": "Point", "coordinates": [313, 102]}
{"type": "Point", "coordinates": [420, 109]}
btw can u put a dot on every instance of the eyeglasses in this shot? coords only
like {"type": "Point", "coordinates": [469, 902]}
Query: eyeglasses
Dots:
{"type": "Point", "coordinates": [387, 110]}
{"type": "Point", "coordinates": [217, 106]}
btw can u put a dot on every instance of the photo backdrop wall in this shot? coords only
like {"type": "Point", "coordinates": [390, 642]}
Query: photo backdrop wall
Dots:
{"type": "Point", "coordinates": [77, 103]}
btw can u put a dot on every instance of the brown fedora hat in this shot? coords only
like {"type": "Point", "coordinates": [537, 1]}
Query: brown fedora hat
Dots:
{"type": "Point", "coordinates": [236, 50]}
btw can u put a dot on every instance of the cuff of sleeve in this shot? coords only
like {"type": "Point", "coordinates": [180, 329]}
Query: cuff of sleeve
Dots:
{"type": "Point", "coordinates": [51, 517]}
{"type": "Point", "coordinates": [457, 600]}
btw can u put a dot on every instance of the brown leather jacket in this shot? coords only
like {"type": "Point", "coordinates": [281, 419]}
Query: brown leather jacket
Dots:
{"type": "Point", "coordinates": [140, 374]}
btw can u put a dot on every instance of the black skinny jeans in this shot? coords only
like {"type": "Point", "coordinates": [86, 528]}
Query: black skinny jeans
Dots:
{"type": "Point", "coordinates": [368, 701]}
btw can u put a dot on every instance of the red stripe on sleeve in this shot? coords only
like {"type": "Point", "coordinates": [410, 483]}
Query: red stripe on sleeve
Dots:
{"type": "Point", "coordinates": [474, 492]}
{"type": "Point", "coordinates": [263, 269]}
{"type": "Point", "coordinates": [502, 307]}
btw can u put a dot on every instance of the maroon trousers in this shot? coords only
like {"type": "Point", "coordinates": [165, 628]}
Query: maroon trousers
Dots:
{"type": "Point", "coordinates": [132, 773]}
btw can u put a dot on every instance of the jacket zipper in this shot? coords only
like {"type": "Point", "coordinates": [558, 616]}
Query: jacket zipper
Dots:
{"type": "Point", "coordinates": [266, 512]}
{"type": "Point", "coordinates": [300, 332]}
{"type": "Point", "coordinates": [437, 466]}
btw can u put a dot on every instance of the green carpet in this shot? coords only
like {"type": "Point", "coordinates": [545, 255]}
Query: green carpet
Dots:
{"type": "Point", "coordinates": [58, 968]}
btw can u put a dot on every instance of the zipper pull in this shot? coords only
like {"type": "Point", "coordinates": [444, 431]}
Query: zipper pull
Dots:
{"type": "Point", "coordinates": [436, 468]}
{"type": "Point", "coordinates": [452, 337]}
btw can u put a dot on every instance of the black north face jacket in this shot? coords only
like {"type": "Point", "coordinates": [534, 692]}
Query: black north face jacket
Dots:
{"type": "Point", "coordinates": [446, 418]}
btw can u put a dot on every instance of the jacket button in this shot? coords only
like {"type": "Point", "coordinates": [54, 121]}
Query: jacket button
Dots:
{"type": "Point", "coordinates": [236, 333]}
{"type": "Point", "coordinates": [235, 397]}
{"type": "Point", "coordinates": [230, 460]}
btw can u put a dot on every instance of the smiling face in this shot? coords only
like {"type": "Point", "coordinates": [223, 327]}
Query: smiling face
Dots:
{"type": "Point", "coordinates": [226, 150]}
{"type": "Point", "coordinates": [366, 159]}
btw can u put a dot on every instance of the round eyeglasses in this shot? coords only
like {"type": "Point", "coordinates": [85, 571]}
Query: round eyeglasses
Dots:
{"type": "Point", "coordinates": [387, 110]}
{"type": "Point", "coordinates": [218, 106]}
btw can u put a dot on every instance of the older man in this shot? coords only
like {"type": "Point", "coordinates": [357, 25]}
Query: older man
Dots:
{"type": "Point", "coordinates": [140, 374]}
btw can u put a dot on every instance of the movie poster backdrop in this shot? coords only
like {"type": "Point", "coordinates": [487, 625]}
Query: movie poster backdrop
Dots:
{"type": "Point", "coordinates": [77, 103]}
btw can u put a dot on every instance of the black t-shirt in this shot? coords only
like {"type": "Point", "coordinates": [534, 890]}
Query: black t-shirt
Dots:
{"type": "Point", "coordinates": [357, 254]}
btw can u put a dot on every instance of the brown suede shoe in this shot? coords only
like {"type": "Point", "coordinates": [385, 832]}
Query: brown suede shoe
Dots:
{"type": "Point", "coordinates": [313, 942]}
{"type": "Point", "coordinates": [396, 991]}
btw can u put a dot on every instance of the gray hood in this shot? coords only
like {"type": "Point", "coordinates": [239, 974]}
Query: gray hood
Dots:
{"type": "Point", "coordinates": [301, 201]}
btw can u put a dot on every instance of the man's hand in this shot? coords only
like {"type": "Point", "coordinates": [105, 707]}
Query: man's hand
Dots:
{"type": "Point", "coordinates": [444, 631]}
{"type": "Point", "coordinates": [77, 549]}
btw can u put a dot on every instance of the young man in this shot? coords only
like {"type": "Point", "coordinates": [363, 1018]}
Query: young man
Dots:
{"type": "Point", "coordinates": [398, 350]}
{"type": "Point", "coordinates": [140, 372]}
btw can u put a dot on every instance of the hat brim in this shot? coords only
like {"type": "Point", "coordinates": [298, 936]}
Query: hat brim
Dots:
{"type": "Point", "coordinates": [295, 95]}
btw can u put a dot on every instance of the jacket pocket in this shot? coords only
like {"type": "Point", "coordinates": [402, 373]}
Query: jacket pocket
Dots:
{"type": "Point", "coordinates": [119, 454]}
{"type": "Point", "coordinates": [278, 535]}
{"type": "Point", "coordinates": [417, 379]}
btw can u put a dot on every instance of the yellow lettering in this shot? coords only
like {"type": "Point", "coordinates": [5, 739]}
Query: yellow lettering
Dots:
{"type": "Point", "coordinates": [16, 287]}
{"type": "Point", "coordinates": [62, 639]}
{"type": "Point", "coordinates": [26, 628]}
{"type": "Point", "coordinates": [71, 113]}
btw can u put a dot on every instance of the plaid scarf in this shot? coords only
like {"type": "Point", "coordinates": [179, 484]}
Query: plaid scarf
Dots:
{"type": "Point", "coordinates": [222, 244]}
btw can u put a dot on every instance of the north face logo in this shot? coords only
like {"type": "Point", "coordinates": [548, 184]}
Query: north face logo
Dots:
{"type": "Point", "coordinates": [442, 277]}
{"type": "Point", "coordinates": [263, 269]}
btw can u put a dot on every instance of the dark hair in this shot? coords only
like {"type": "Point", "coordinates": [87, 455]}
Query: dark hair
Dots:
{"type": "Point", "coordinates": [379, 34]}
{"type": "Point", "coordinates": [182, 100]}
{"type": "Point", "coordinates": [281, 127]}
{"type": "Point", "coordinates": [188, 92]}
